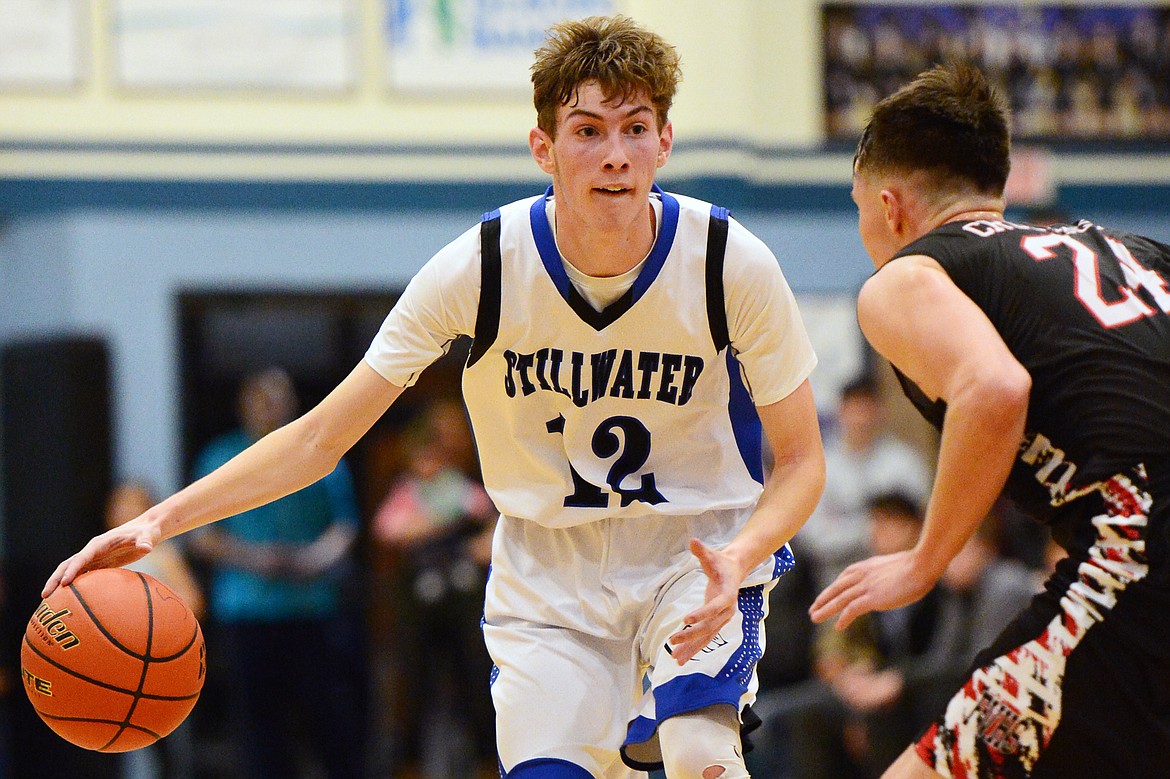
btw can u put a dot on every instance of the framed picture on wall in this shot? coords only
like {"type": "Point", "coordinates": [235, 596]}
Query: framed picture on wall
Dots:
{"type": "Point", "coordinates": [471, 45]}
{"type": "Point", "coordinates": [1071, 71]}
{"type": "Point", "coordinates": [42, 43]}
{"type": "Point", "coordinates": [298, 45]}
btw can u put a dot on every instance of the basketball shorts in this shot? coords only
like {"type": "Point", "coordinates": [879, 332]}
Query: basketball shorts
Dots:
{"type": "Point", "coordinates": [1079, 683]}
{"type": "Point", "coordinates": [577, 620]}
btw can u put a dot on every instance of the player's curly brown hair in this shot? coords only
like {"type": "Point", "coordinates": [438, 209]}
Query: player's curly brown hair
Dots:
{"type": "Point", "coordinates": [949, 123]}
{"type": "Point", "coordinates": [623, 57]}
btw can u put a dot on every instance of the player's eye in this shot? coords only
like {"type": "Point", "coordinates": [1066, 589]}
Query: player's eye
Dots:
{"type": "Point", "coordinates": [639, 129]}
{"type": "Point", "coordinates": [587, 131]}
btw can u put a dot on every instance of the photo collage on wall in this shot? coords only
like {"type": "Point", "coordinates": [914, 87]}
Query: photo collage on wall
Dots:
{"type": "Point", "coordinates": [1071, 72]}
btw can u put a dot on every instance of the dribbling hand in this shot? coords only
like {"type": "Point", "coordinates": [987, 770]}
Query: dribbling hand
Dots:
{"type": "Point", "coordinates": [113, 548]}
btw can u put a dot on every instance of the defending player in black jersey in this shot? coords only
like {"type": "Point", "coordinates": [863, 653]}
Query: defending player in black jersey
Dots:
{"type": "Point", "coordinates": [1044, 357]}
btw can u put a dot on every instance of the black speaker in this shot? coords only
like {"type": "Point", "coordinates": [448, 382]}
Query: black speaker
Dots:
{"type": "Point", "coordinates": [55, 460]}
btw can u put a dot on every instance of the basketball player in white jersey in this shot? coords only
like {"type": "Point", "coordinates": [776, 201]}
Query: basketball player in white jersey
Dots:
{"type": "Point", "coordinates": [630, 348]}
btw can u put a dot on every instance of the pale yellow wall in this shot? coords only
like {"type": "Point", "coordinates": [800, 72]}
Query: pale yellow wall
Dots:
{"type": "Point", "coordinates": [751, 67]}
{"type": "Point", "coordinates": [751, 85]}
{"type": "Point", "coordinates": [751, 70]}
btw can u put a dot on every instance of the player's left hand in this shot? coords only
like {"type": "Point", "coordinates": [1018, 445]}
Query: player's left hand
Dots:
{"type": "Point", "coordinates": [724, 577]}
{"type": "Point", "coordinates": [877, 584]}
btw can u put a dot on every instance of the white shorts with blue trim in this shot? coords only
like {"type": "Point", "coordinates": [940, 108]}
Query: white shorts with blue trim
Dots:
{"type": "Point", "coordinates": [577, 621]}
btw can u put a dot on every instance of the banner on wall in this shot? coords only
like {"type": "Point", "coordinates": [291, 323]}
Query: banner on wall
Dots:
{"type": "Point", "coordinates": [258, 44]}
{"type": "Point", "coordinates": [40, 43]}
{"type": "Point", "coordinates": [442, 45]}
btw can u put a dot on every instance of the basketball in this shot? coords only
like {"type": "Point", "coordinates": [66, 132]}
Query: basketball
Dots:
{"type": "Point", "coordinates": [113, 662]}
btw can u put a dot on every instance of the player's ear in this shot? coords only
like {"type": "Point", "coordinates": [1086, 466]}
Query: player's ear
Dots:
{"type": "Point", "coordinates": [665, 143]}
{"type": "Point", "coordinates": [894, 207]}
{"type": "Point", "coordinates": [540, 143]}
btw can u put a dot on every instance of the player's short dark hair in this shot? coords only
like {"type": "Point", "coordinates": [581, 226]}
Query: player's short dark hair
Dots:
{"type": "Point", "coordinates": [616, 52]}
{"type": "Point", "coordinates": [949, 122]}
{"type": "Point", "coordinates": [897, 503]}
{"type": "Point", "coordinates": [863, 386]}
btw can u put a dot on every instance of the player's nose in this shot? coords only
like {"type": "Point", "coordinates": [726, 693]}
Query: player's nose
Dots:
{"type": "Point", "coordinates": [616, 156]}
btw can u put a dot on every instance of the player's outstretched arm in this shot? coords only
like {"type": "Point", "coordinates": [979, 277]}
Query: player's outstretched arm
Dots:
{"type": "Point", "coordinates": [282, 462]}
{"type": "Point", "coordinates": [791, 491]}
{"type": "Point", "coordinates": [916, 317]}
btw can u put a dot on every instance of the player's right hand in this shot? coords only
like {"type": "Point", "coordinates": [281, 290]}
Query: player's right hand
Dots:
{"type": "Point", "coordinates": [119, 546]}
{"type": "Point", "coordinates": [724, 577]}
{"type": "Point", "coordinates": [879, 583]}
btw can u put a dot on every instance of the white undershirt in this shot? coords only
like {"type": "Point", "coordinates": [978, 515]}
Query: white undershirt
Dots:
{"type": "Point", "coordinates": [602, 291]}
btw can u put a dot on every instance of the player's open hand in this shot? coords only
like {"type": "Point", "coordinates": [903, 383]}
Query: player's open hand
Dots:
{"type": "Point", "coordinates": [724, 577]}
{"type": "Point", "coordinates": [877, 584]}
{"type": "Point", "coordinates": [119, 546]}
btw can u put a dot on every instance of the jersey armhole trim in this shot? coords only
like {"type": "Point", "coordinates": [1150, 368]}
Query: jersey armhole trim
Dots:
{"type": "Point", "coordinates": [487, 316]}
{"type": "Point", "coordinates": [716, 250]}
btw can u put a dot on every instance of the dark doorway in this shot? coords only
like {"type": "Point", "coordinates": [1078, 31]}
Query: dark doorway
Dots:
{"type": "Point", "coordinates": [318, 338]}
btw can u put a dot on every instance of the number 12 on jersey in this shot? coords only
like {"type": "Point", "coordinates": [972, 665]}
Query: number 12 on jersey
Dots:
{"type": "Point", "coordinates": [632, 450]}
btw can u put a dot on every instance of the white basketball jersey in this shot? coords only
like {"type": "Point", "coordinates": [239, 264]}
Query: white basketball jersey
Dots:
{"type": "Point", "coordinates": [635, 409]}
{"type": "Point", "coordinates": [638, 409]}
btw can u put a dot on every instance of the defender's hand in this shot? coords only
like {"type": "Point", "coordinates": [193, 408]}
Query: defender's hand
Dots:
{"type": "Point", "coordinates": [877, 584]}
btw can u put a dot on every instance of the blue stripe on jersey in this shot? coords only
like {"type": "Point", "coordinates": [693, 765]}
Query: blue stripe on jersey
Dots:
{"type": "Point", "coordinates": [546, 244]}
{"type": "Point", "coordinates": [640, 730]}
{"type": "Point", "coordinates": [662, 245]}
{"type": "Point", "coordinates": [695, 691]}
{"type": "Point", "coordinates": [681, 695]}
{"type": "Point", "coordinates": [489, 215]}
{"type": "Point", "coordinates": [743, 663]}
{"type": "Point", "coordinates": [550, 256]}
{"type": "Point", "coordinates": [745, 422]}
{"type": "Point", "coordinates": [547, 768]}
{"type": "Point", "coordinates": [785, 561]}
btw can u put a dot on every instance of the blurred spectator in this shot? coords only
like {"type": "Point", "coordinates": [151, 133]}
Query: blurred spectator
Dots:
{"type": "Point", "coordinates": [441, 521]}
{"type": "Point", "coordinates": [174, 756]}
{"type": "Point", "coordinates": [788, 631]}
{"type": "Point", "coordinates": [1053, 554]}
{"type": "Point", "coordinates": [1019, 536]}
{"type": "Point", "coordinates": [855, 716]}
{"type": "Point", "coordinates": [291, 649]}
{"type": "Point", "coordinates": [982, 590]}
{"type": "Point", "coordinates": [862, 461]}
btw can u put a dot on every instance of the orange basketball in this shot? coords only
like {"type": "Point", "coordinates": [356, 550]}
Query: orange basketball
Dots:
{"type": "Point", "coordinates": [113, 662]}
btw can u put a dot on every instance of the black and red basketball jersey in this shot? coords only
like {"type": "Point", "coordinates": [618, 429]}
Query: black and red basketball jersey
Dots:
{"type": "Point", "coordinates": [1086, 310]}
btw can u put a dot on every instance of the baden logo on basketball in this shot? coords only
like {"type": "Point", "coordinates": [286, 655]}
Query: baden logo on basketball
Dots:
{"type": "Point", "coordinates": [55, 627]}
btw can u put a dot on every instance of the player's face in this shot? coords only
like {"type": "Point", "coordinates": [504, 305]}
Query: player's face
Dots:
{"type": "Point", "coordinates": [603, 159]}
{"type": "Point", "coordinates": [875, 231]}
